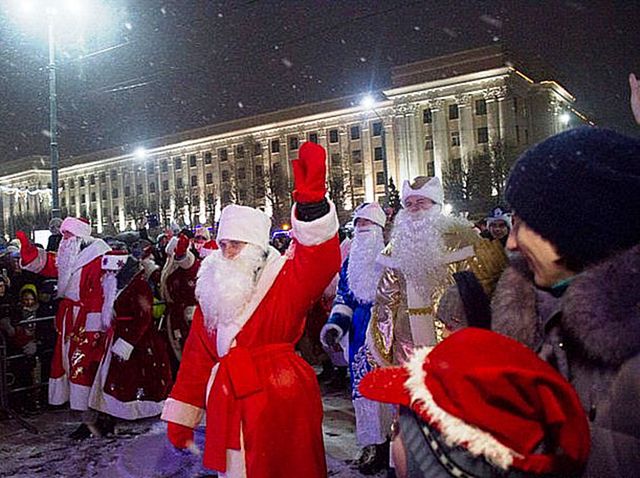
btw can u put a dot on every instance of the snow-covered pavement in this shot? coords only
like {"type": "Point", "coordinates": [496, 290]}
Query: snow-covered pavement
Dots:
{"type": "Point", "coordinates": [140, 449]}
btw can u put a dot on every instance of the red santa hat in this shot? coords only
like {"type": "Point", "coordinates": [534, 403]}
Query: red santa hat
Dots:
{"type": "Point", "coordinates": [371, 211]}
{"type": "Point", "coordinates": [493, 397]}
{"type": "Point", "coordinates": [78, 226]}
{"type": "Point", "coordinates": [246, 224]}
{"type": "Point", "coordinates": [207, 248]}
{"type": "Point", "coordinates": [423, 186]}
{"type": "Point", "coordinates": [114, 260]}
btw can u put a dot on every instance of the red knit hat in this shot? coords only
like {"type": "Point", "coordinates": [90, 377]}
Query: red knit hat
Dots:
{"type": "Point", "coordinates": [492, 396]}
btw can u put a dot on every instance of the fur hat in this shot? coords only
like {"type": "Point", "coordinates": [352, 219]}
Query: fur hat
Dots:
{"type": "Point", "coordinates": [246, 224]}
{"type": "Point", "coordinates": [202, 231]}
{"type": "Point", "coordinates": [78, 226]}
{"type": "Point", "coordinates": [371, 211]}
{"type": "Point", "coordinates": [499, 214]}
{"type": "Point", "coordinates": [580, 190]}
{"type": "Point", "coordinates": [492, 397]}
{"type": "Point", "coordinates": [424, 186]}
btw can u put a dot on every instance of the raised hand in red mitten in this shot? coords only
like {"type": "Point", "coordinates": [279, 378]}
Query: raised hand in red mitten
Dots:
{"type": "Point", "coordinates": [180, 436]}
{"type": "Point", "coordinates": [310, 174]}
{"type": "Point", "coordinates": [28, 252]}
{"type": "Point", "coordinates": [182, 246]}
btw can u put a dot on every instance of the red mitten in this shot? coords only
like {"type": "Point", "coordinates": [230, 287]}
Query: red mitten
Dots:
{"type": "Point", "coordinates": [180, 436]}
{"type": "Point", "coordinates": [181, 248]}
{"type": "Point", "coordinates": [28, 252]}
{"type": "Point", "coordinates": [310, 174]}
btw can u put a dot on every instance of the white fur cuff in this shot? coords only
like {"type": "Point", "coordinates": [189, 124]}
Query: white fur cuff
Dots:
{"type": "Point", "coordinates": [122, 349]}
{"type": "Point", "coordinates": [187, 261]}
{"type": "Point", "coordinates": [325, 329]}
{"type": "Point", "coordinates": [342, 309]}
{"type": "Point", "coordinates": [318, 231]}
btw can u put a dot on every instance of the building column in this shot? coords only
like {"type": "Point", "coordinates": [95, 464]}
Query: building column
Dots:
{"type": "Point", "coordinates": [467, 131]}
{"type": "Point", "coordinates": [440, 137]}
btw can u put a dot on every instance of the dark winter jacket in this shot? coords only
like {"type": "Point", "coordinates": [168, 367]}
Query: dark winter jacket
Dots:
{"type": "Point", "coordinates": [592, 335]}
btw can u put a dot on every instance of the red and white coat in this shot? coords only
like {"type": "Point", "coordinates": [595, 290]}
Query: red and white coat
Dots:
{"type": "Point", "coordinates": [80, 331]}
{"type": "Point", "coordinates": [134, 377]}
{"type": "Point", "coordinates": [262, 401]}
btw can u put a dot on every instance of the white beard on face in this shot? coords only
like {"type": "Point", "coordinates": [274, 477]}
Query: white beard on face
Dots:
{"type": "Point", "coordinates": [65, 260]}
{"type": "Point", "coordinates": [418, 248]}
{"type": "Point", "coordinates": [225, 286]}
{"type": "Point", "coordinates": [363, 272]}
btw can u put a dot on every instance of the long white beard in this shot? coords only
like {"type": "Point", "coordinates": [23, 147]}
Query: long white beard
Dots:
{"type": "Point", "coordinates": [225, 286]}
{"type": "Point", "coordinates": [110, 290]}
{"type": "Point", "coordinates": [419, 249]}
{"type": "Point", "coordinates": [65, 261]}
{"type": "Point", "coordinates": [363, 272]}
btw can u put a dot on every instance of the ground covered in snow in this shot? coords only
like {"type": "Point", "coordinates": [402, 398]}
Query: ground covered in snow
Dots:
{"type": "Point", "coordinates": [140, 449]}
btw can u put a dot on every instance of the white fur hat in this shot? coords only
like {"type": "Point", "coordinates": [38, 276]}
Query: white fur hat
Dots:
{"type": "Point", "coordinates": [246, 224]}
{"type": "Point", "coordinates": [432, 189]}
{"type": "Point", "coordinates": [371, 211]}
{"type": "Point", "coordinates": [202, 231]}
{"type": "Point", "coordinates": [79, 227]}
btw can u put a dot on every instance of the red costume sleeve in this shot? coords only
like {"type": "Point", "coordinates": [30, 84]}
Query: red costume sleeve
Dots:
{"type": "Point", "coordinates": [44, 264]}
{"type": "Point", "coordinates": [136, 315]}
{"type": "Point", "coordinates": [186, 403]}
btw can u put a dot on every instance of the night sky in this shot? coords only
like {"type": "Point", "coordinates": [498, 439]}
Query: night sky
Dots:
{"type": "Point", "coordinates": [168, 66]}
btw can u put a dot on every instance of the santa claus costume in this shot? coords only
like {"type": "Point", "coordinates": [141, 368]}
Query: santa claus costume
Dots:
{"type": "Point", "coordinates": [134, 377]}
{"type": "Point", "coordinates": [262, 401]}
{"type": "Point", "coordinates": [177, 288]}
{"type": "Point", "coordinates": [80, 341]}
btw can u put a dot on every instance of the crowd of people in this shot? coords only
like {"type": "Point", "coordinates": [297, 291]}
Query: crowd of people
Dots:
{"type": "Point", "coordinates": [509, 347]}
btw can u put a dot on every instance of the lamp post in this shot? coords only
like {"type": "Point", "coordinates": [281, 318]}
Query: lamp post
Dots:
{"type": "Point", "coordinates": [53, 118]}
{"type": "Point", "coordinates": [52, 11]}
{"type": "Point", "coordinates": [368, 102]}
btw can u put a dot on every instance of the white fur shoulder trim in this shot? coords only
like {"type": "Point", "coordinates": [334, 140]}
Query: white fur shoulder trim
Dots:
{"type": "Point", "coordinates": [454, 431]}
{"type": "Point", "coordinates": [318, 231]}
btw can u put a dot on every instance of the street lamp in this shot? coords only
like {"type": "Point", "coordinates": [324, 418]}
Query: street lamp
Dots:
{"type": "Point", "coordinates": [52, 9]}
{"type": "Point", "coordinates": [368, 102]}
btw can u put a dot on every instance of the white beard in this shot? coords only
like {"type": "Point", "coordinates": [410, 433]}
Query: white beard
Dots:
{"type": "Point", "coordinates": [225, 286]}
{"type": "Point", "coordinates": [110, 290]}
{"type": "Point", "coordinates": [65, 261]}
{"type": "Point", "coordinates": [363, 272]}
{"type": "Point", "coordinates": [418, 248]}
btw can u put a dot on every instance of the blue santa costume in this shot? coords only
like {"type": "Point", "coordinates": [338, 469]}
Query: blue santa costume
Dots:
{"type": "Point", "coordinates": [348, 323]}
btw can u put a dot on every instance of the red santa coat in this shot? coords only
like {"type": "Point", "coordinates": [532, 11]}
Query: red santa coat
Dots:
{"type": "Point", "coordinates": [180, 286]}
{"type": "Point", "coordinates": [260, 397]}
{"type": "Point", "coordinates": [80, 341]}
{"type": "Point", "coordinates": [134, 377]}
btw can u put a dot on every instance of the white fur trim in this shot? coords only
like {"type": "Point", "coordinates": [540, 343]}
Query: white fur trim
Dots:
{"type": "Point", "coordinates": [325, 329]}
{"type": "Point", "coordinates": [122, 348]}
{"type": "Point", "coordinates": [79, 396]}
{"type": "Point", "coordinates": [187, 261]}
{"type": "Point", "coordinates": [58, 390]}
{"type": "Point", "coordinates": [182, 413]}
{"type": "Point", "coordinates": [454, 431]}
{"type": "Point", "coordinates": [37, 264]}
{"type": "Point", "coordinates": [94, 322]}
{"type": "Point", "coordinates": [149, 266]}
{"type": "Point", "coordinates": [318, 231]}
{"type": "Point", "coordinates": [342, 309]}
{"type": "Point", "coordinates": [75, 226]}
{"type": "Point", "coordinates": [431, 190]}
{"type": "Point", "coordinates": [114, 262]}
{"type": "Point", "coordinates": [103, 402]}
